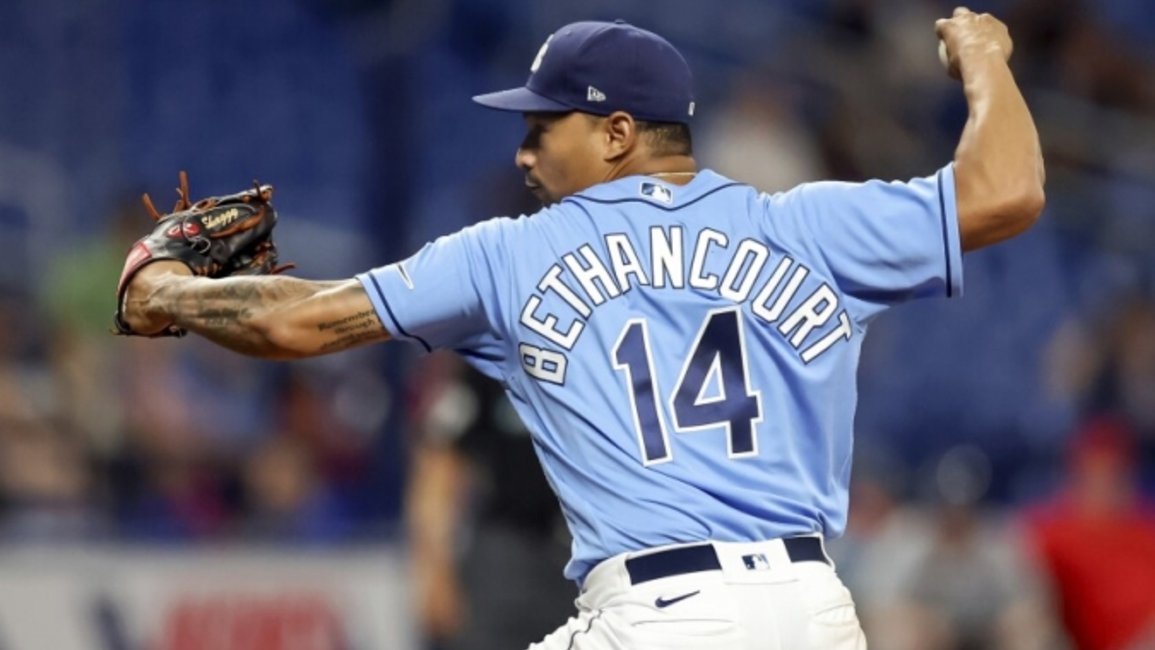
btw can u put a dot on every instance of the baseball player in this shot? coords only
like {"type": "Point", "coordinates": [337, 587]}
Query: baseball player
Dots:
{"type": "Point", "coordinates": [682, 347]}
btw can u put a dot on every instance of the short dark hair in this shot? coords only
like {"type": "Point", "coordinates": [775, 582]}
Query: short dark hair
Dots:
{"type": "Point", "coordinates": [664, 138]}
{"type": "Point", "coordinates": [667, 138]}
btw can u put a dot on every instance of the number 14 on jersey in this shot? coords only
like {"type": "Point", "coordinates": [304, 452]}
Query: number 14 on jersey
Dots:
{"type": "Point", "coordinates": [713, 388]}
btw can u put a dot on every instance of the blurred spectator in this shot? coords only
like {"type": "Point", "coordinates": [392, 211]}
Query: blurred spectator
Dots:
{"type": "Point", "coordinates": [1096, 541]}
{"type": "Point", "coordinates": [1075, 49]}
{"type": "Point", "coordinates": [29, 392]}
{"type": "Point", "coordinates": [1107, 365]}
{"type": "Point", "coordinates": [883, 536]}
{"type": "Point", "coordinates": [1126, 381]}
{"type": "Point", "coordinates": [331, 417]}
{"type": "Point", "coordinates": [79, 297]}
{"type": "Point", "coordinates": [952, 577]}
{"type": "Point", "coordinates": [46, 487]}
{"type": "Point", "coordinates": [286, 499]}
{"type": "Point", "coordinates": [168, 483]}
{"type": "Point", "coordinates": [757, 137]}
{"type": "Point", "coordinates": [488, 541]}
{"type": "Point", "coordinates": [46, 493]}
{"type": "Point", "coordinates": [300, 483]}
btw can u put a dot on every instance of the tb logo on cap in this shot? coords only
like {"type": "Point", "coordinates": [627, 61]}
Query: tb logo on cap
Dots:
{"type": "Point", "coordinates": [540, 55]}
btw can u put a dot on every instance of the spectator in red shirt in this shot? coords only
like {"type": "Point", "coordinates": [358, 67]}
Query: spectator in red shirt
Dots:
{"type": "Point", "coordinates": [1097, 542]}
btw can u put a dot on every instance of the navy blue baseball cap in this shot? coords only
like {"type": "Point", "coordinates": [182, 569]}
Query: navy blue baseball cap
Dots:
{"type": "Point", "coordinates": [599, 68]}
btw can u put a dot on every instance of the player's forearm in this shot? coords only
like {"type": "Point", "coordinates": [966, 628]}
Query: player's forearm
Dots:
{"type": "Point", "coordinates": [999, 170]}
{"type": "Point", "coordinates": [277, 317]}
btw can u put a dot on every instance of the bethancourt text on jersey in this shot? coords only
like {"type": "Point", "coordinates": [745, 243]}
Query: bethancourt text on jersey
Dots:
{"type": "Point", "coordinates": [584, 281]}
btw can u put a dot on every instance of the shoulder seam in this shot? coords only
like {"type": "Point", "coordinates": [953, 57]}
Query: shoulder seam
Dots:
{"type": "Point", "coordinates": [650, 203]}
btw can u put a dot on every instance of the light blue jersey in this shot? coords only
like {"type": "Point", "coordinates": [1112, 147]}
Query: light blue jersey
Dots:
{"type": "Point", "coordinates": [685, 356]}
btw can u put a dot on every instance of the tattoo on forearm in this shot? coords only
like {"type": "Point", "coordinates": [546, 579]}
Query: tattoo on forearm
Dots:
{"type": "Point", "coordinates": [356, 320]}
{"type": "Point", "coordinates": [349, 340]}
{"type": "Point", "coordinates": [223, 311]}
{"type": "Point", "coordinates": [359, 328]}
{"type": "Point", "coordinates": [239, 314]}
{"type": "Point", "coordinates": [222, 317]}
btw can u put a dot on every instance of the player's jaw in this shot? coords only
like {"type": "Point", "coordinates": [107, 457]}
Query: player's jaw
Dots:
{"type": "Point", "coordinates": [535, 188]}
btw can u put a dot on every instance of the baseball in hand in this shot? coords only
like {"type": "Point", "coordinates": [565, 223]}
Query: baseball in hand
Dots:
{"type": "Point", "coordinates": [944, 58]}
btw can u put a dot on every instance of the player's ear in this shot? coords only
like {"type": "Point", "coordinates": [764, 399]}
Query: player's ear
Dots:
{"type": "Point", "coordinates": [621, 134]}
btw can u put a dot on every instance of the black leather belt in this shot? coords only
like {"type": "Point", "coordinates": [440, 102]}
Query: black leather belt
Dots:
{"type": "Point", "coordinates": [703, 557]}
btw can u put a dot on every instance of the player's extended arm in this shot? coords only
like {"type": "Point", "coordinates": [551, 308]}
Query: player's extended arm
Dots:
{"type": "Point", "coordinates": [998, 165]}
{"type": "Point", "coordinates": [273, 317]}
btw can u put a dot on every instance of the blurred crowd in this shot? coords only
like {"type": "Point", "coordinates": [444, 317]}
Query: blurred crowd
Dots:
{"type": "Point", "coordinates": [106, 439]}
{"type": "Point", "coordinates": [1006, 441]}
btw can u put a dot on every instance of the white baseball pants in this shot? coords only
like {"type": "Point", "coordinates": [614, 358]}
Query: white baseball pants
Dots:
{"type": "Point", "coordinates": [714, 596]}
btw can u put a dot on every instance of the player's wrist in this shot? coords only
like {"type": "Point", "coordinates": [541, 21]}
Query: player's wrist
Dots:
{"type": "Point", "coordinates": [972, 47]}
{"type": "Point", "coordinates": [981, 71]}
{"type": "Point", "coordinates": [982, 53]}
{"type": "Point", "coordinates": [144, 309]}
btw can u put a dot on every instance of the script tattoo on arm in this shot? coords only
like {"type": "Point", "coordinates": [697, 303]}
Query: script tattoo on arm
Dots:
{"type": "Point", "coordinates": [274, 317]}
{"type": "Point", "coordinates": [344, 333]}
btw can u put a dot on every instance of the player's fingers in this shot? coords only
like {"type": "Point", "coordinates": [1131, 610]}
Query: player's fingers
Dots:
{"type": "Point", "coordinates": [960, 11]}
{"type": "Point", "coordinates": [940, 26]}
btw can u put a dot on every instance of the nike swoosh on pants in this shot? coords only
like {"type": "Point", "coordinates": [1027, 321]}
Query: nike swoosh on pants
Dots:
{"type": "Point", "coordinates": [663, 602]}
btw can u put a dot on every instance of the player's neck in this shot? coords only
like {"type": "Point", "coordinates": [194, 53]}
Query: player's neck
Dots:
{"type": "Point", "coordinates": [674, 177]}
{"type": "Point", "coordinates": [678, 170]}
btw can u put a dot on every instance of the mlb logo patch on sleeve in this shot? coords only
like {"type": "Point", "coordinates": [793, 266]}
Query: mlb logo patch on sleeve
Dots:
{"type": "Point", "coordinates": [659, 193]}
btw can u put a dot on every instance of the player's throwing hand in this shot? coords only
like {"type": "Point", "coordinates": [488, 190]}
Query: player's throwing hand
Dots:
{"type": "Point", "coordinates": [969, 36]}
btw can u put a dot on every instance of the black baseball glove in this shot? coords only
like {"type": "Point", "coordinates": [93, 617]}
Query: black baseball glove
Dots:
{"type": "Point", "coordinates": [215, 237]}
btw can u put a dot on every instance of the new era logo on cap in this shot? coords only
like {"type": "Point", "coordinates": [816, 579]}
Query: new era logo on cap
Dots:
{"type": "Point", "coordinates": [599, 68]}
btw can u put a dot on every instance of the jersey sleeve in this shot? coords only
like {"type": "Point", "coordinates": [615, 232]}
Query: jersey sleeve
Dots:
{"type": "Point", "coordinates": [445, 295]}
{"type": "Point", "coordinates": [884, 243]}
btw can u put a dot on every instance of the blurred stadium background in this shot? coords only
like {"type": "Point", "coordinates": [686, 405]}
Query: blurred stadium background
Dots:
{"type": "Point", "coordinates": [171, 496]}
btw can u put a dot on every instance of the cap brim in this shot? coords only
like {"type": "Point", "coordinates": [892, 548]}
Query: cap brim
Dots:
{"type": "Point", "coordinates": [521, 100]}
